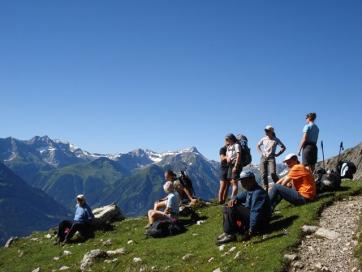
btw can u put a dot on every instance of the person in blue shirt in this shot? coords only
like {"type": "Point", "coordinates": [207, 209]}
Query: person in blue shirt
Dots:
{"type": "Point", "coordinates": [82, 222]}
{"type": "Point", "coordinates": [248, 213]}
{"type": "Point", "coordinates": [308, 143]}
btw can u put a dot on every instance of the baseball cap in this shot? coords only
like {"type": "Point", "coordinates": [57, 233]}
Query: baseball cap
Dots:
{"type": "Point", "coordinates": [246, 174]}
{"type": "Point", "coordinates": [289, 156]}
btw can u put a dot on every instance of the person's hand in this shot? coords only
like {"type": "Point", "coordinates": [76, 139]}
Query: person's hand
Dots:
{"type": "Point", "coordinates": [232, 202]}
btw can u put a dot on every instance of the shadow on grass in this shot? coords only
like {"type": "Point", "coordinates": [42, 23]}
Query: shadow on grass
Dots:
{"type": "Point", "coordinates": [187, 222]}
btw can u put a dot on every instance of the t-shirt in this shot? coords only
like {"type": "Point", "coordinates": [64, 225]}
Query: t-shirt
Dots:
{"type": "Point", "coordinates": [223, 151]}
{"type": "Point", "coordinates": [312, 131]}
{"type": "Point", "coordinates": [232, 151]}
{"type": "Point", "coordinates": [83, 213]}
{"type": "Point", "coordinates": [303, 181]}
{"type": "Point", "coordinates": [173, 202]}
{"type": "Point", "coordinates": [269, 146]}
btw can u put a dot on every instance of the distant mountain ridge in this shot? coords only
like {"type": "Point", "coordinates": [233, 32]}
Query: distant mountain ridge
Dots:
{"type": "Point", "coordinates": [133, 179]}
{"type": "Point", "coordinates": [23, 208]}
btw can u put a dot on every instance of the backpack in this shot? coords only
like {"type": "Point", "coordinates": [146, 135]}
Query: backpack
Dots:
{"type": "Point", "coordinates": [186, 182]}
{"type": "Point", "coordinates": [245, 150]}
{"type": "Point", "coordinates": [346, 169]}
{"type": "Point", "coordinates": [327, 181]}
{"type": "Point", "coordinates": [163, 228]}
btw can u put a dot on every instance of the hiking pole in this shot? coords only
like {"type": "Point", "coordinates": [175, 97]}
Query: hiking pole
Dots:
{"type": "Point", "coordinates": [324, 165]}
{"type": "Point", "coordinates": [341, 148]}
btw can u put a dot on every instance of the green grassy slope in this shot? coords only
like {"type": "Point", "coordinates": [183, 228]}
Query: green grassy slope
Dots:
{"type": "Point", "coordinates": [255, 255]}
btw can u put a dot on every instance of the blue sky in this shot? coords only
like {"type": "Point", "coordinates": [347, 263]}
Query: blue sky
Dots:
{"type": "Point", "coordinates": [111, 76]}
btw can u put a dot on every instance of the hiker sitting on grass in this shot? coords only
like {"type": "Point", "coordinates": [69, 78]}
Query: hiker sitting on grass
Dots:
{"type": "Point", "coordinates": [184, 193]}
{"type": "Point", "coordinates": [248, 213]}
{"type": "Point", "coordinates": [82, 222]}
{"type": "Point", "coordinates": [170, 205]}
{"type": "Point", "coordinates": [297, 187]}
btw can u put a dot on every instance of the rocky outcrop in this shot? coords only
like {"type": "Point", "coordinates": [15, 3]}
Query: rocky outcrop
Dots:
{"type": "Point", "coordinates": [107, 214]}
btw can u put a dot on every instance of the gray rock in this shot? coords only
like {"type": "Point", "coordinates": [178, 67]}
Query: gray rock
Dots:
{"type": "Point", "coordinates": [10, 241]}
{"type": "Point", "coordinates": [67, 253]}
{"type": "Point", "coordinates": [187, 257]}
{"type": "Point", "coordinates": [63, 268]}
{"type": "Point", "coordinates": [290, 257]}
{"type": "Point", "coordinates": [107, 243]}
{"type": "Point", "coordinates": [217, 270]}
{"type": "Point", "coordinates": [309, 229]}
{"type": "Point", "coordinates": [237, 255]}
{"type": "Point", "coordinates": [109, 213]}
{"type": "Point", "coordinates": [89, 258]}
{"type": "Point", "coordinates": [36, 270]}
{"type": "Point", "coordinates": [137, 260]}
{"type": "Point", "coordinates": [325, 233]}
{"type": "Point", "coordinates": [119, 251]}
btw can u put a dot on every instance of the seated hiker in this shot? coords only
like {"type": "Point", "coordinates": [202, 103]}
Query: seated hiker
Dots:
{"type": "Point", "coordinates": [82, 222]}
{"type": "Point", "coordinates": [170, 205]}
{"type": "Point", "coordinates": [248, 213]}
{"type": "Point", "coordinates": [297, 187]}
{"type": "Point", "coordinates": [184, 192]}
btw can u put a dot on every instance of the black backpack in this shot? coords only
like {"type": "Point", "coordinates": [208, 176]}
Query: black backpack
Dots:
{"type": "Point", "coordinates": [346, 169]}
{"type": "Point", "coordinates": [245, 150]}
{"type": "Point", "coordinates": [327, 182]}
{"type": "Point", "coordinates": [163, 228]}
{"type": "Point", "coordinates": [186, 182]}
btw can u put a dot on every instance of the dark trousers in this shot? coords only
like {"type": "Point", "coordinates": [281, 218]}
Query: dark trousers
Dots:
{"type": "Point", "coordinates": [73, 227]}
{"type": "Point", "coordinates": [236, 219]}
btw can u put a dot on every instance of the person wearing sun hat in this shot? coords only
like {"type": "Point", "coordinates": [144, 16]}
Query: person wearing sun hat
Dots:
{"type": "Point", "coordinates": [267, 147]}
{"type": "Point", "coordinates": [82, 219]}
{"type": "Point", "coordinates": [297, 187]}
{"type": "Point", "coordinates": [248, 213]}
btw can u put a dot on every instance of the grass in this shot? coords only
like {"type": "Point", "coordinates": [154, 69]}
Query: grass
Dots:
{"type": "Point", "coordinates": [255, 255]}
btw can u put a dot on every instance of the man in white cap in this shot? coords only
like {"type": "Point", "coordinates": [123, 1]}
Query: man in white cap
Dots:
{"type": "Point", "coordinates": [81, 222]}
{"type": "Point", "coordinates": [248, 213]}
{"type": "Point", "coordinates": [267, 147]}
{"type": "Point", "coordinates": [297, 187]}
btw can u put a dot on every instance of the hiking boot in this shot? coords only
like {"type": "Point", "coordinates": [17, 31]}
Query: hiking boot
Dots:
{"type": "Point", "coordinates": [227, 239]}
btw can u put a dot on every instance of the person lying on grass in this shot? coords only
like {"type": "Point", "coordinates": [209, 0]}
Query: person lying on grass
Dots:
{"type": "Point", "coordinates": [170, 205]}
{"type": "Point", "coordinates": [297, 187]}
{"type": "Point", "coordinates": [248, 213]}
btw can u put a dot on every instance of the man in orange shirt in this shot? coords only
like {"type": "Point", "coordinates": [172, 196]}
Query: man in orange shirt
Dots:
{"type": "Point", "coordinates": [298, 187]}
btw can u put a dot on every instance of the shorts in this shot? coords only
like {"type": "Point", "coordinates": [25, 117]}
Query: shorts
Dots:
{"type": "Point", "coordinates": [234, 175]}
{"type": "Point", "coordinates": [310, 154]}
{"type": "Point", "coordinates": [224, 173]}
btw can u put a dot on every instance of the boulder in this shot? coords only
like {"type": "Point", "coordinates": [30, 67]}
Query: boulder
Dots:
{"type": "Point", "coordinates": [89, 258]}
{"type": "Point", "coordinates": [309, 229]}
{"type": "Point", "coordinates": [325, 233]}
{"type": "Point", "coordinates": [10, 241]}
{"type": "Point", "coordinates": [107, 214]}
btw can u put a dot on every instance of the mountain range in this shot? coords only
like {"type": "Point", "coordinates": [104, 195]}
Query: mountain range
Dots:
{"type": "Point", "coordinates": [23, 208]}
{"type": "Point", "coordinates": [132, 180]}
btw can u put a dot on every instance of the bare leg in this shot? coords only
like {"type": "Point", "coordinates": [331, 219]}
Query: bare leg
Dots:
{"type": "Point", "coordinates": [234, 184]}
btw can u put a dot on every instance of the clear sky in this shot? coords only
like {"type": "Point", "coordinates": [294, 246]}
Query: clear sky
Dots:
{"type": "Point", "coordinates": [111, 76]}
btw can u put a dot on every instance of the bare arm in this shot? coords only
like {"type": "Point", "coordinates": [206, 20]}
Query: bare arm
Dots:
{"type": "Point", "coordinates": [302, 142]}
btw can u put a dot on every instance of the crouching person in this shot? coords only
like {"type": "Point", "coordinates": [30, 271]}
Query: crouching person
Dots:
{"type": "Point", "coordinates": [248, 213]}
{"type": "Point", "coordinates": [297, 187]}
{"type": "Point", "coordinates": [170, 205]}
{"type": "Point", "coordinates": [82, 222]}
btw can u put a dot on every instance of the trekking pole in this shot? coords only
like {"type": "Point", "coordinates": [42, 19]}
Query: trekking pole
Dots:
{"type": "Point", "coordinates": [341, 148]}
{"type": "Point", "coordinates": [324, 165]}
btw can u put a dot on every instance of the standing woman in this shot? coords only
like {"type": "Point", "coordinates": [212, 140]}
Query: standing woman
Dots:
{"type": "Point", "coordinates": [308, 143]}
{"type": "Point", "coordinates": [233, 155]}
{"type": "Point", "coordinates": [224, 168]}
{"type": "Point", "coordinates": [267, 148]}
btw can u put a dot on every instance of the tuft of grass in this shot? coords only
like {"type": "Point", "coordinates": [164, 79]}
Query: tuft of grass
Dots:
{"type": "Point", "coordinates": [258, 254]}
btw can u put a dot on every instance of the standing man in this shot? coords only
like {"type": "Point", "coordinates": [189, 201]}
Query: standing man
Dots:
{"type": "Point", "coordinates": [308, 143]}
{"type": "Point", "coordinates": [267, 149]}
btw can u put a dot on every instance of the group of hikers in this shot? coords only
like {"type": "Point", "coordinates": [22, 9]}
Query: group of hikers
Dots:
{"type": "Point", "coordinates": [248, 212]}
